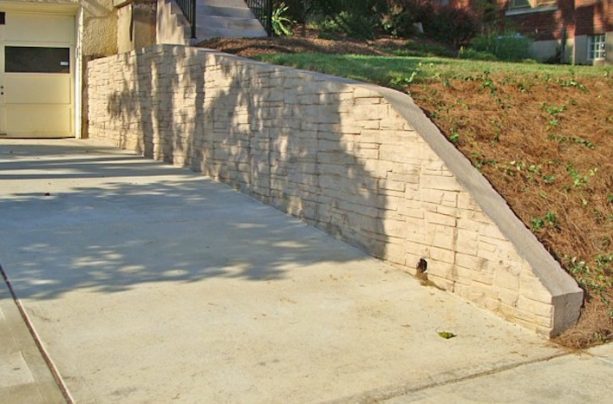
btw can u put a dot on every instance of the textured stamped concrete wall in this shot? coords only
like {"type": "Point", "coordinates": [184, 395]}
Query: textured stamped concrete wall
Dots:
{"type": "Point", "coordinates": [356, 160]}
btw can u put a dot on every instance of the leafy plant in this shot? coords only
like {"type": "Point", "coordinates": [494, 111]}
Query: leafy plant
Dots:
{"type": "Point", "coordinates": [488, 82]}
{"type": "Point", "coordinates": [401, 81]}
{"type": "Point", "coordinates": [480, 161]}
{"type": "Point", "coordinates": [597, 279]}
{"type": "Point", "coordinates": [549, 220]}
{"type": "Point", "coordinates": [553, 123]}
{"type": "Point", "coordinates": [553, 109]}
{"type": "Point", "coordinates": [572, 82]}
{"type": "Point", "coordinates": [281, 23]}
{"type": "Point", "coordinates": [355, 18]}
{"type": "Point", "coordinates": [549, 179]}
{"type": "Point", "coordinates": [573, 140]}
{"type": "Point", "coordinates": [580, 180]}
{"type": "Point", "coordinates": [537, 224]}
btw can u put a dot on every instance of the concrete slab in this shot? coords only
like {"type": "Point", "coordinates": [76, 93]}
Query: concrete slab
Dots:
{"type": "Point", "coordinates": [578, 378]}
{"type": "Point", "coordinates": [24, 375]}
{"type": "Point", "coordinates": [151, 283]}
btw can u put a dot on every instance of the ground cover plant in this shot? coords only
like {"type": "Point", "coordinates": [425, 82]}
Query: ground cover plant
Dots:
{"type": "Point", "coordinates": [541, 134]}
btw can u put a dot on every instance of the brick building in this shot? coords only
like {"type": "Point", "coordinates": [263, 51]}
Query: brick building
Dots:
{"type": "Point", "coordinates": [581, 29]}
{"type": "Point", "coordinates": [578, 31]}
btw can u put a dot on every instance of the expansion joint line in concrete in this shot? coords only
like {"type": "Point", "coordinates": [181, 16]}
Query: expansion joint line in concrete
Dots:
{"type": "Point", "coordinates": [37, 340]}
{"type": "Point", "coordinates": [390, 392]}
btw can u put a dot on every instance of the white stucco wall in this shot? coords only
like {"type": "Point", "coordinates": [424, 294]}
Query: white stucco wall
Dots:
{"type": "Point", "coordinates": [545, 50]}
{"type": "Point", "coordinates": [608, 50]}
{"type": "Point", "coordinates": [580, 54]}
{"type": "Point", "coordinates": [136, 24]}
{"type": "Point", "coordinates": [171, 26]}
{"type": "Point", "coordinates": [99, 30]}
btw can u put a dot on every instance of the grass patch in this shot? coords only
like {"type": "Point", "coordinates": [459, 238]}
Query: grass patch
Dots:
{"type": "Point", "coordinates": [388, 70]}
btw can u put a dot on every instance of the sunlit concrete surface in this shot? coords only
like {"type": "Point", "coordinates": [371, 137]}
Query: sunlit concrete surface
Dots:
{"type": "Point", "coordinates": [24, 375]}
{"type": "Point", "coordinates": [149, 283]}
{"type": "Point", "coordinates": [583, 377]}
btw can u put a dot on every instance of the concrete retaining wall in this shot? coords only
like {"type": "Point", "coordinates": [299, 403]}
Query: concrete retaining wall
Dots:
{"type": "Point", "coordinates": [359, 161]}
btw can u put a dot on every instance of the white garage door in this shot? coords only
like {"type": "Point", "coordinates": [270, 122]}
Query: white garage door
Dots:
{"type": "Point", "coordinates": [36, 75]}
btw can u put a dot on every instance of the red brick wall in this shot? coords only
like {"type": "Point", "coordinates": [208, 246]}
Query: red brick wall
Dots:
{"type": "Point", "coordinates": [593, 16]}
{"type": "Point", "coordinates": [578, 17]}
{"type": "Point", "coordinates": [540, 26]}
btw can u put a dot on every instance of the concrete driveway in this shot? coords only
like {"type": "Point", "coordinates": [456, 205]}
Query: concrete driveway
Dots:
{"type": "Point", "coordinates": [148, 283]}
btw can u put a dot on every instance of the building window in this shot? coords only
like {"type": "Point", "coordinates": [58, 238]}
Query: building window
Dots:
{"type": "Point", "coordinates": [596, 47]}
{"type": "Point", "coordinates": [518, 4]}
{"type": "Point", "coordinates": [27, 59]}
{"type": "Point", "coordinates": [533, 4]}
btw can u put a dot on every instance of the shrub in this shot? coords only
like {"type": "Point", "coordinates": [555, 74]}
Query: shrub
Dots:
{"type": "Point", "coordinates": [468, 53]}
{"type": "Point", "coordinates": [400, 23]}
{"type": "Point", "coordinates": [505, 46]}
{"type": "Point", "coordinates": [443, 23]}
{"type": "Point", "coordinates": [351, 24]}
{"type": "Point", "coordinates": [419, 48]}
{"type": "Point", "coordinates": [452, 26]}
{"type": "Point", "coordinates": [355, 18]}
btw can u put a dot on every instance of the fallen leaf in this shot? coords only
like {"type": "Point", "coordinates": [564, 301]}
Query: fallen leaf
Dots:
{"type": "Point", "coordinates": [446, 334]}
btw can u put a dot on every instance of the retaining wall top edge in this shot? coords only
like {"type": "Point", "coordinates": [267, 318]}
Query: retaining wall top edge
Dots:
{"type": "Point", "coordinates": [546, 268]}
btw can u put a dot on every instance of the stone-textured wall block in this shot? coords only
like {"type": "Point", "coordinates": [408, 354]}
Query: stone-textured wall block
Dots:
{"type": "Point", "coordinates": [359, 161]}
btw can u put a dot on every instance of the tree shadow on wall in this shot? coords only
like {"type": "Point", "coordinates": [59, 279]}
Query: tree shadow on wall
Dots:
{"type": "Point", "coordinates": [285, 137]}
{"type": "Point", "coordinates": [289, 139]}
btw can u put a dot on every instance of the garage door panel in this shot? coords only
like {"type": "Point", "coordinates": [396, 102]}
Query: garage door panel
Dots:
{"type": "Point", "coordinates": [37, 51]}
{"type": "Point", "coordinates": [51, 120]}
{"type": "Point", "coordinates": [37, 89]}
{"type": "Point", "coordinates": [26, 27]}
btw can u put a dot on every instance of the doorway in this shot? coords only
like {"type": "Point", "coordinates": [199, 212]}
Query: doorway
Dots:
{"type": "Point", "coordinates": [37, 54]}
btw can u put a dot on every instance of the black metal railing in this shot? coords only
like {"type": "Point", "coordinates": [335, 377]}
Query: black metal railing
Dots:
{"type": "Point", "coordinates": [189, 11]}
{"type": "Point", "coordinates": [263, 12]}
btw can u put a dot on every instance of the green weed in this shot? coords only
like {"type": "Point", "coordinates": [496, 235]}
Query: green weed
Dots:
{"type": "Point", "coordinates": [572, 140]}
{"type": "Point", "coordinates": [553, 109]}
{"type": "Point", "coordinates": [488, 82]}
{"type": "Point", "coordinates": [549, 220]}
{"type": "Point", "coordinates": [549, 179]}
{"type": "Point", "coordinates": [580, 180]}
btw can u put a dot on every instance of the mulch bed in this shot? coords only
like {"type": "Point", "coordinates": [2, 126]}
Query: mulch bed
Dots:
{"type": "Point", "coordinates": [546, 146]}
{"type": "Point", "coordinates": [308, 41]}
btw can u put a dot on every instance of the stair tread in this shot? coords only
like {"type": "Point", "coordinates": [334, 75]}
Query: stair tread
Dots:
{"type": "Point", "coordinates": [233, 12]}
{"type": "Point", "coordinates": [225, 33]}
{"type": "Point", "coordinates": [230, 24]}
{"type": "Point", "coordinates": [226, 19]}
{"type": "Point", "coordinates": [224, 3]}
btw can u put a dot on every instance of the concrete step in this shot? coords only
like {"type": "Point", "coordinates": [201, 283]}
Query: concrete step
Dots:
{"type": "Point", "coordinates": [226, 19]}
{"type": "Point", "coordinates": [203, 33]}
{"type": "Point", "coordinates": [213, 21]}
{"type": "Point", "coordinates": [224, 3]}
{"type": "Point", "coordinates": [234, 12]}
